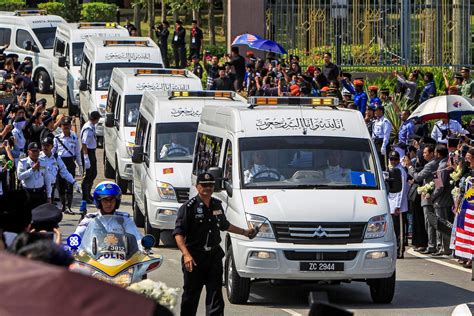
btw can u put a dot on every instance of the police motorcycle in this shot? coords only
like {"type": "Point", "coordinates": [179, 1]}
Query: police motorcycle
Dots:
{"type": "Point", "coordinates": [109, 250]}
{"type": "Point", "coordinates": [110, 256]}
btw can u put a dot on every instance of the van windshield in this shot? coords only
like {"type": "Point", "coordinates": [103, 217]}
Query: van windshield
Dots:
{"type": "Point", "coordinates": [77, 51]}
{"type": "Point", "coordinates": [307, 162]}
{"type": "Point", "coordinates": [46, 36]}
{"type": "Point", "coordinates": [175, 141]}
{"type": "Point", "coordinates": [132, 106]}
{"type": "Point", "coordinates": [103, 72]}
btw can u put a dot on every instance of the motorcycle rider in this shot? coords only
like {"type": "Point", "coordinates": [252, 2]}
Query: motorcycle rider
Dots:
{"type": "Point", "coordinates": [107, 196]}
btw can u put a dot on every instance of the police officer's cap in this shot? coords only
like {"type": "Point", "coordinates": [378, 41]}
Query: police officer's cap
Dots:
{"type": "Point", "coordinates": [33, 146]}
{"type": "Point", "coordinates": [66, 120]}
{"type": "Point", "coordinates": [179, 22]}
{"type": "Point", "coordinates": [94, 115]}
{"type": "Point", "coordinates": [458, 76]}
{"type": "Point", "coordinates": [47, 141]}
{"type": "Point", "coordinates": [194, 57]}
{"type": "Point", "coordinates": [465, 68]}
{"type": "Point", "coordinates": [204, 178]}
{"type": "Point", "coordinates": [12, 56]}
{"type": "Point", "coordinates": [385, 91]}
{"type": "Point", "coordinates": [47, 119]}
{"type": "Point", "coordinates": [28, 58]}
{"type": "Point", "coordinates": [46, 216]}
{"type": "Point", "coordinates": [394, 154]}
{"type": "Point", "coordinates": [379, 107]}
{"type": "Point", "coordinates": [370, 107]}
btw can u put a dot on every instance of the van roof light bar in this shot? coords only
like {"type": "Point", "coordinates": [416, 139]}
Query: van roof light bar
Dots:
{"type": "Point", "coordinates": [299, 101]}
{"type": "Point", "coordinates": [125, 43]}
{"type": "Point", "coordinates": [160, 71]}
{"type": "Point", "coordinates": [202, 94]}
{"type": "Point", "coordinates": [30, 12]}
{"type": "Point", "coordinates": [97, 25]}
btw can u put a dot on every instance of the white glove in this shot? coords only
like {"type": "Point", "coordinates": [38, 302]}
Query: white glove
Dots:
{"type": "Point", "coordinates": [87, 162]}
{"type": "Point", "coordinates": [384, 151]}
{"type": "Point", "coordinates": [77, 187]}
{"type": "Point", "coordinates": [79, 171]}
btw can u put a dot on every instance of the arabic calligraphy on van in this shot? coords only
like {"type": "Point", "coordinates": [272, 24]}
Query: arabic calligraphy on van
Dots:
{"type": "Point", "coordinates": [185, 112]}
{"type": "Point", "coordinates": [162, 86]}
{"type": "Point", "coordinates": [127, 56]}
{"type": "Point", "coordinates": [314, 124]}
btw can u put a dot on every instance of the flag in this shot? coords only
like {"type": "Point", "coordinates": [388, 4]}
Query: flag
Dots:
{"type": "Point", "coordinates": [167, 170]}
{"type": "Point", "coordinates": [464, 242]}
{"type": "Point", "coordinates": [369, 200]}
{"type": "Point", "coordinates": [260, 199]}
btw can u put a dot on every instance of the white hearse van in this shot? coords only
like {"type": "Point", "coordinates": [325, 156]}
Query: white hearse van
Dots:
{"type": "Point", "coordinates": [127, 86]}
{"type": "Point", "coordinates": [308, 177]}
{"type": "Point", "coordinates": [67, 57]}
{"type": "Point", "coordinates": [162, 157]}
{"type": "Point", "coordinates": [100, 57]}
{"type": "Point", "coordinates": [31, 33]}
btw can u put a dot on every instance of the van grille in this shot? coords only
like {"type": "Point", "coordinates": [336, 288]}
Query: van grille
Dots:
{"type": "Point", "coordinates": [319, 233]}
{"type": "Point", "coordinates": [320, 255]}
{"type": "Point", "coordinates": [182, 194]}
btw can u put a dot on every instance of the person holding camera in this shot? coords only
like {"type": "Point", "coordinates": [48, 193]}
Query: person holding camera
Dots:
{"type": "Point", "coordinates": [446, 128]}
{"type": "Point", "coordinates": [162, 33]}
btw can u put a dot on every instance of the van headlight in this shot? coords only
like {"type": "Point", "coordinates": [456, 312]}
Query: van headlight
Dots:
{"type": "Point", "coordinates": [264, 227]}
{"type": "Point", "coordinates": [376, 227]}
{"type": "Point", "coordinates": [165, 190]}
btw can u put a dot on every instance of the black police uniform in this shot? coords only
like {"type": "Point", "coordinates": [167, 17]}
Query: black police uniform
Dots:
{"type": "Point", "coordinates": [200, 226]}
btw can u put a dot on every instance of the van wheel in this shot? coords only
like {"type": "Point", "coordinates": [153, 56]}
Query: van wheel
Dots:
{"type": "Point", "coordinates": [123, 184]}
{"type": "Point", "coordinates": [237, 288]}
{"type": "Point", "coordinates": [382, 290]}
{"type": "Point", "coordinates": [71, 109]}
{"type": "Point", "coordinates": [43, 81]}
{"type": "Point", "coordinates": [58, 101]}
{"type": "Point", "coordinates": [138, 217]}
{"type": "Point", "coordinates": [109, 172]}
{"type": "Point", "coordinates": [149, 230]}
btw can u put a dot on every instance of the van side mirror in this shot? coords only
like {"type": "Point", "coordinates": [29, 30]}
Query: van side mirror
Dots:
{"type": "Point", "coordinates": [62, 61]}
{"type": "Point", "coordinates": [109, 120]}
{"type": "Point", "coordinates": [27, 45]}
{"type": "Point", "coordinates": [393, 180]}
{"type": "Point", "coordinates": [228, 188]}
{"type": "Point", "coordinates": [35, 48]}
{"type": "Point", "coordinates": [216, 172]}
{"type": "Point", "coordinates": [83, 85]}
{"type": "Point", "coordinates": [137, 156]}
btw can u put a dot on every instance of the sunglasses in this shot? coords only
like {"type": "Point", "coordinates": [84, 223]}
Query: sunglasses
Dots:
{"type": "Point", "coordinates": [392, 159]}
{"type": "Point", "coordinates": [207, 185]}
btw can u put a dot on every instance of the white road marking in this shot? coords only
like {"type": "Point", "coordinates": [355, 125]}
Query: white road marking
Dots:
{"type": "Point", "coordinates": [291, 312]}
{"type": "Point", "coordinates": [438, 261]}
{"type": "Point", "coordinates": [256, 296]}
{"type": "Point", "coordinates": [462, 310]}
{"type": "Point", "coordinates": [172, 260]}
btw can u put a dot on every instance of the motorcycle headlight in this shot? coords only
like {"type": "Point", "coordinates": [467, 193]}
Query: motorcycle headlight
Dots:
{"type": "Point", "coordinates": [264, 227]}
{"type": "Point", "coordinates": [165, 190]}
{"type": "Point", "coordinates": [376, 227]}
{"type": "Point", "coordinates": [124, 279]}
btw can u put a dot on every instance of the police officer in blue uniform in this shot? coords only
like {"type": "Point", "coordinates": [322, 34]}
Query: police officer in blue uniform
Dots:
{"type": "Point", "coordinates": [35, 178]}
{"type": "Point", "coordinates": [107, 197]}
{"type": "Point", "coordinates": [381, 134]}
{"type": "Point", "coordinates": [56, 167]}
{"type": "Point", "coordinates": [197, 235]}
{"type": "Point", "coordinates": [89, 145]}
{"type": "Point", "coordinates": [66, 147]}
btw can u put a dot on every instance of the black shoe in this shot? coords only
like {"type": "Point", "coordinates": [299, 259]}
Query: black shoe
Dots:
{"type": "Point", "coordinates": [419, 249]}
{"type": "Point", "coordinates": [438, 253]}
{"type": "Point", "coordinates": [69, 212]}
{"type": "Point", "coordinates": [428, 251]}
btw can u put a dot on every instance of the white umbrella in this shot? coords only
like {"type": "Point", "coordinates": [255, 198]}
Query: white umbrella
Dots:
{"type": "Point", "coordinates": [441, 106]}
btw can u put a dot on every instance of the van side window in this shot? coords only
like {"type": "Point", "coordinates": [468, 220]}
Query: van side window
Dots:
{"type": "Point", "coordinates": [111, 100]}
{"type": "Point", "coordinates": [141, 129]}
{"type": "Point", "coordinates": [84, 66]}
{"type": "Point", "coordinates": [5, 35]}
{"type": "Point", "coordinates": [59, 47]}
{"type": "Point", "coordinates": [207, 153]}
{"type": "Point", "coordinates": [117, 111]}
{"type": "Point", "coordinates": [228, 162]}
{"type": "Point", "coordinates": [23, 36]}
{"type": "Point", "coordinates": [148, 142]}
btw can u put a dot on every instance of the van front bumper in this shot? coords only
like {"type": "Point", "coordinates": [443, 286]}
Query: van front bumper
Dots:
{"type": "Point", "coordinates": [125, 166]}
{"type": "Point", "coordinates": [163, 214]}
{"type": "Point", "coordinates": [279, 266]}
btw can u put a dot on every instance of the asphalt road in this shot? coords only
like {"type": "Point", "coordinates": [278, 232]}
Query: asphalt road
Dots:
{"type": "Point", "coordinates": [425, 286]}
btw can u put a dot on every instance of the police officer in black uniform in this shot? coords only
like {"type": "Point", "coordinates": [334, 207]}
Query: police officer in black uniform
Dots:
{"type": "Point", "coordinates": [197, 235]}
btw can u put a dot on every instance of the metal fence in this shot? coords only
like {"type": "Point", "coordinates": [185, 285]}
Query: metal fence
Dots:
{"type": "Point", "coordinates": [375, 32]}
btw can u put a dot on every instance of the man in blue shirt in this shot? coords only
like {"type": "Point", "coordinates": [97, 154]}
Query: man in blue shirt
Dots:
{"type": "Point", "coordinates": [407, 128]}
{"type": "Point", "coordinates": [360, 97]}
{"type": "Point", "coordinates": [429, 90]}
{"type": "Point", "coordinates": [381, 134]}
{"type": "Point", "coordinates": [374, 99]}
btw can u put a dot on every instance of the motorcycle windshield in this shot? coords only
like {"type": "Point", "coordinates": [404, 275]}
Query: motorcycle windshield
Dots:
{"type": "Point", "coordinates": [105, 237]}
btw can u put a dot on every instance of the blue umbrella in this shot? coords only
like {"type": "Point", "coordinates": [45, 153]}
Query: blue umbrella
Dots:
{"type": "Point", "coordinates": [246, 39]}
{"type": "Point", "coordinates": [267, 46]}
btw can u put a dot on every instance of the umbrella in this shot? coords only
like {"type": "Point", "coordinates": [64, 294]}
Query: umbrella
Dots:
{"type": "Point", "coordinates": [35, 288]}
{"type": "Point", "coordinates": [442, 106]}
{"type": "Point", "coordinates": [258, 43]}
{"type": "Point", "coordinates": [245, 39]}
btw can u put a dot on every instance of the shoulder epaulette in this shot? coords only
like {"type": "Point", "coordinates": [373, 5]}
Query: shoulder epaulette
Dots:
{"type": "Point", "coordinates": [122, 214]}
{"type": "Point", "coordinates": [191, 202]}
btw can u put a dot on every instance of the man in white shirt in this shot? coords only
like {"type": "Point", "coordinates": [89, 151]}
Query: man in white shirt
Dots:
{"type": "Point", "coordinates": [447, 128]}
{"type": "Point", "coordinates": [259, 169]}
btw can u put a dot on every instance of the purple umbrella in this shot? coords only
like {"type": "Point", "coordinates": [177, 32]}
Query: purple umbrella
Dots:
{"type": "Point", "coordinates": [268, 46]}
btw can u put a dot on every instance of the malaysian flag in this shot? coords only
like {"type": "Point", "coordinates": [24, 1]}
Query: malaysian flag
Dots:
{"type": "Point", "coordinates": [464, 242]}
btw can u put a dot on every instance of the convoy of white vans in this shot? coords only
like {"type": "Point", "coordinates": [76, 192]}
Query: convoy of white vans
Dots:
{"type": "Point", "coordinates": [300, 170]}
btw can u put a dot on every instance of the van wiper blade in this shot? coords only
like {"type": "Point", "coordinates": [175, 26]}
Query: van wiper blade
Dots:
{"type": "Point", "coordinates": [329, 186]}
